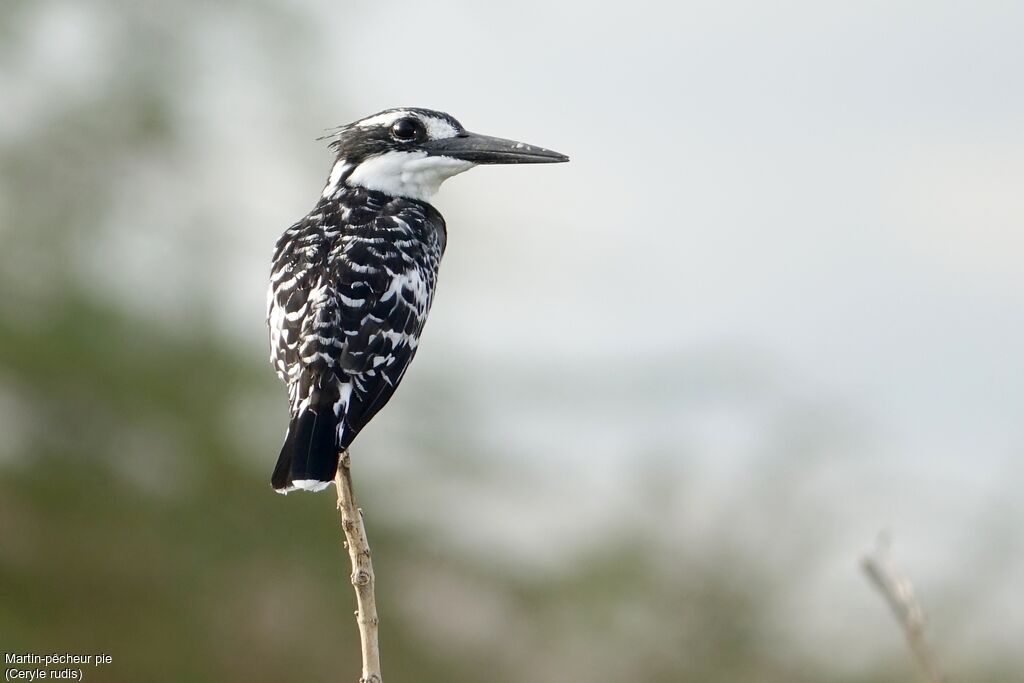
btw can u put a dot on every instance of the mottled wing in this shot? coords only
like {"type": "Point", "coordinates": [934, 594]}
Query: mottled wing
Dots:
{"type": "Point", "coordinates": [347, 303]}
{"type": "Point", "coordinates": [297, 269]}
{"type": "Point", "coordinates": [384, 285]}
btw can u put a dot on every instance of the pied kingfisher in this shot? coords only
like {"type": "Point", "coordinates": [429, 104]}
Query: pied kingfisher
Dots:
{"type": "Point", "coordinates": [351, 283]}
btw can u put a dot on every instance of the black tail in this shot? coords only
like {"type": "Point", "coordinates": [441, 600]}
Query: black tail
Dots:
{"type": "Point", "coordinates": [309, 457]}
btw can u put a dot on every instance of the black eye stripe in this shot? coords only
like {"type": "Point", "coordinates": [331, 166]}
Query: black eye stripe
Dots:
{"type": "Point", "coordinates": [407, 129]}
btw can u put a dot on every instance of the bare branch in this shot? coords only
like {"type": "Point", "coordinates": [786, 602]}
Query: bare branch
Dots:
{"type": "Point", "coordinates": [362, 571]}
{"type": "Point", "coordinates": [899, 594]}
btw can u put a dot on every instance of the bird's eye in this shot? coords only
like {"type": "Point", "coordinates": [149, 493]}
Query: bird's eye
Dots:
{"type": "Point", "coordinates": [406, 129]}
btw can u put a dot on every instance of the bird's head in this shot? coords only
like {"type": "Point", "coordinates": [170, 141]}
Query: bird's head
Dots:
{"type": "Point", "coordinates": [409, 152]}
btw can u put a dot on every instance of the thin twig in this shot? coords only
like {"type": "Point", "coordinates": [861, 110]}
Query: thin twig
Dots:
{"type": "Point", "coordinates": [899, 594]}
{"type": "Point", "coordinates": [362, 571]}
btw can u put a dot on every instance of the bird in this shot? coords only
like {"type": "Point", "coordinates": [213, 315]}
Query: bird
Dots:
{"type": "Point", "coordinates": [352, 282]}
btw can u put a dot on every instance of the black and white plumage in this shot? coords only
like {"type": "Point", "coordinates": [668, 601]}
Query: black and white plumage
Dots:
{"type": "Point", "coordinates": [352, 282]}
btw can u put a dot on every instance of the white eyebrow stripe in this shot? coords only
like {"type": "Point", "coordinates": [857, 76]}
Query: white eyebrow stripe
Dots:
{"type": "Point", "coordinates": [383, 119]}
{"type": "Point", "coordinates": [437, 129]}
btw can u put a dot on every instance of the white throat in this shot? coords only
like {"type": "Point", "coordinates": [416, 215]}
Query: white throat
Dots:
{"type": "Point", "coordinates": [407, 174]}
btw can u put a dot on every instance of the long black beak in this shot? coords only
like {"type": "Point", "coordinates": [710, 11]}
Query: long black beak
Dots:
{"type": "Point", "coordinates": [483, 149]}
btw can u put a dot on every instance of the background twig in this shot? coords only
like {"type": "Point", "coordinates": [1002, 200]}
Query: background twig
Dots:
{"type": "Point", "coordinates": [899, 594]}
{"type": "Point", "coordinates": [362, 571]}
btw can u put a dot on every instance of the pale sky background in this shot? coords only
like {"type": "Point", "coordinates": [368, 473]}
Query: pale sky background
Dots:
{"type": "Point", "coordinates": [818, 206]}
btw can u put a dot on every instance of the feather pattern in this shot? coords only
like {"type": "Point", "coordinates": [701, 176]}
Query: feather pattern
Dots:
{"type": "Point", "coordinates": [350, 288]}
